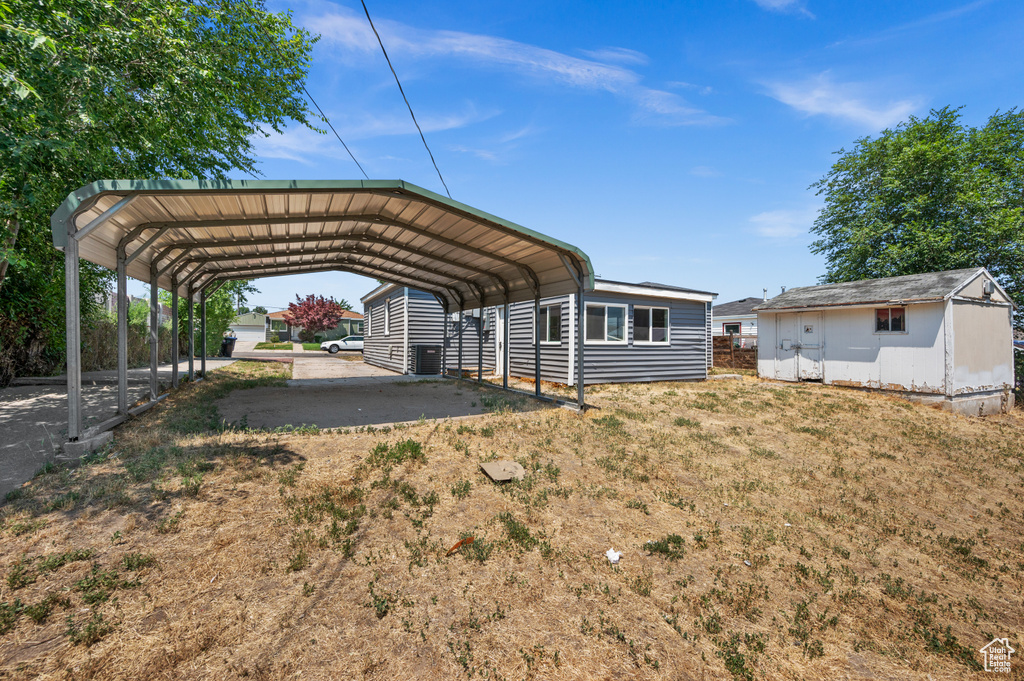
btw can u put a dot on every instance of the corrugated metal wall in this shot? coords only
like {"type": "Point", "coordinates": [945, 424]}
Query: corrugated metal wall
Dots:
{"type": "Point", "coordinates": [685, 357]}
{"type": "Point", "coordinates": [471, 328]}
{"type": "Point", "coordinates": [386, 351]}
{"type": "Point", "coordinates": [426, 323]}
{"type": "Point", "coordinates": [554, 358]}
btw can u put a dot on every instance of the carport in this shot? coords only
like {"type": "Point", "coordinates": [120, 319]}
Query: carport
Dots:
{"type": "Point", "coordinates": [191, 237]}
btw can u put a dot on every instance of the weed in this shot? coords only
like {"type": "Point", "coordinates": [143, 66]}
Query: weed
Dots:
{"type": "Point", "coordinates": [639, 505]}
{"type": "Point", "coordinates": [308, 589]}
{"type": "Point", "coordinates": [134, 562]}
{"type": "Point", "coordinates": [380, 602]}
{"type": "Point", "coordinates": [461, 489]}
{"type": "Point", "coordinates": [99, 584]}
{"type": "Point", "coordinates": [41, 610]}
{"type": "Point", "coordinates": [298, 562]}
{"type": "Point", "coordinates": [684, 422]}
{"type": "Point", "coordinates": [517, 532]}
{"type": "Point", "coordinates": [672, 547]}
{"type": "Point", "coordinates": [9, 613]}
{"type": "Point", "coordinates": [170, 523]}
{"type": "Point", "coordinates": [92, 631]}
{"type": "Point", "coordinates": [21, 574]}
{"type": "Point", "coordinates": [611, 425]}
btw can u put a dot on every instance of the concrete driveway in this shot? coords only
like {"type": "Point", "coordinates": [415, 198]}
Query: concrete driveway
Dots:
{"type": "Point", "coordinates": [34, 413]}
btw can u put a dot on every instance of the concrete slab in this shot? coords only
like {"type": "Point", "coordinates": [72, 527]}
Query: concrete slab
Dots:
{"type": "Point", "coordinates": [326, 366]}
{"type": "Point", "coordinates": [503, 471]}
{"type": "Point", "coordinates": [345, 403]}
{"type": "Point", "coordinates": [33, 416]}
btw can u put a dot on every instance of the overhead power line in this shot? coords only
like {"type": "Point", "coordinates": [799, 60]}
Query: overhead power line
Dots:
{"type": "Point", "coordinates": [314, 102]}
{"type": "Point", "coordinates": [415, 122]}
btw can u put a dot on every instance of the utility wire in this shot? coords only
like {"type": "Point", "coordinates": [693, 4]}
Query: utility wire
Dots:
{"type": "Point", "coordinates": [328, 122]}
{"type": "Point", "coordinates": [310, 97]}
{"type": "Point", "coordinates": [388, 59]}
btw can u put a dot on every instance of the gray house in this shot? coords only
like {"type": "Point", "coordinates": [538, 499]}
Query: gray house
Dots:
{"type": "Point", "coordinates": [941, 337]}
{"type": "Point", "coordinates": [634, 333]}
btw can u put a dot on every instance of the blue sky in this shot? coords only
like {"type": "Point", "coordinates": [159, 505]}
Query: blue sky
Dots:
{"type": "Point", "coordinates": [673, 142]}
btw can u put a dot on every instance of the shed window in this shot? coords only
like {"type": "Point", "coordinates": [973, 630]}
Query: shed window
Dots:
{"type": "Point", "coordinates": [890, 319]}
{"type": "Point", "coordinates": [369, 322]}
{"type": "Point", "coordinates": [387, 317]}
{"type": "Point", "coordinates": [650, 324]}
{"type": "Point", "coordinates": [731, 328]}
{"type": "Point", "coordinates": [549, 324]}
{"type": "Point", "coordinates": [606, 323]}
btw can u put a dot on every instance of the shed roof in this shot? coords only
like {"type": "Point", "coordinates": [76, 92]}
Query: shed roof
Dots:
{"type": "Point", "coordinates": [908, 289]}
{"type": "Point", "coordinates": [194, 233]}
{"type": "Point", "coordinates": [737, 307]}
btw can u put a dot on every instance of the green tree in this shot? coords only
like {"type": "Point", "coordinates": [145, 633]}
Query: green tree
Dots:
{"type": "Point", "coordinates": [932, 194]}
{"type": "Point", "coordinates": [96, 89]}
{"type": "Point", "coordinates": [259, 309]}
{"type": "Point", "coordinates": [220, 312]}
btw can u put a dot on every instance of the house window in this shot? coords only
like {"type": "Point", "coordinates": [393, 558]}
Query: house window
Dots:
{"type": "Point", "coordinates": [731, 329]}
{"type": "Point", "coordinates": [387, 317]}
{"type": "Point", "coordinates": [369, 323]}
{"type": "Point", "coordinates": [891, 320]}
{"type": "Point", "coordinates": [606, 323]}
{"type": "Point", "coordinates": [278, 325]}
{"type": "Point", "coordinates": [650, 324]}
{"type": "Point", "coordinates": [549, 324]}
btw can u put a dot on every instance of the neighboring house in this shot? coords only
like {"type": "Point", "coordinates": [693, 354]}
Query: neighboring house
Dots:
{"type": "Point", "coordinates": [249, 327]}
{"type": "Point", "coordinates": [738, 319]}
{"type": "Point", "coordinates": [635, 332]}
{"type": "Point", "coordinates": [941, 337]}
{"type": "Point", "coordinates": [281, 326]}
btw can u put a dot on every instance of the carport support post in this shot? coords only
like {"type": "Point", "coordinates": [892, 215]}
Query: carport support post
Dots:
{"type": "Point", "coordinates": [504, 347]}
{"type": "Point", "coordinates": [122, 334]}
{"type": "Point", "coordinates": [154, 334]}
{"type": "Point", "coordinates": [580, 337]}
{"type": "Point", "coordinates": [536, 346]}
{"type": "Point", "coordinates": [480, 346]}
{"type": "Point", "coordinates": [202, 332]}
{"type": "Point", "coordinates": [174, 333]}
{"type": "Point", "coordinates": [460, 342]}
{"type": "Point", "coordinates": [74, 339]}
{"type": "Point", "coordinates": [191, 337]}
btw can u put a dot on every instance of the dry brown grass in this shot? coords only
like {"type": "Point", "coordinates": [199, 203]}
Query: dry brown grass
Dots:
{"type": "Point", "coordinates": [884, 540]}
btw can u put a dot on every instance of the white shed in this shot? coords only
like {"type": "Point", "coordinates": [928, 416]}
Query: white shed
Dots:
{"type": "Point", "coordinates": [941, 337]}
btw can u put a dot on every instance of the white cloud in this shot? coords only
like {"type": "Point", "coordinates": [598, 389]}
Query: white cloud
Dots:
{"type": "Point", "coordinates": [788, 6]}
{"type": "Point", "coordinates": [821, 95]}
{"type": "Point", "coordinates": [705, 171]}
{"type": "Point", "coordinates": [784, 224]}
{"type": "Point", "coordinates": [622, 55]}
{"type": "Point", "coordinates": [701, 89]}
{"type": "Point", "coordinates": [349, 36]}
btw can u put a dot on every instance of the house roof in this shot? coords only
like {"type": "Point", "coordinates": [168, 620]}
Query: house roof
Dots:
{"type": "Point", "coordinates": [250, 319]}
{"type": "Point", "coordinates": [192, 235]}
{"type": "Point", "coordinates": [908, 289]}
{"type": "Point", "coordinates": [654, 289]}
{"type": "Point", "coordinates": [737, 307]}
{"type": "Point", "coordinates": [280, 314]}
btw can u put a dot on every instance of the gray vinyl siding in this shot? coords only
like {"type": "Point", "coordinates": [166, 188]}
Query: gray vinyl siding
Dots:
{"type": "Point", "coordinates": [387, 351]}
{"type": "Point", "coordinates": [554, 359]}
{"type": "Point", "coordinates": [471, 329]}
{"type": "Point", "coordinates": [685, 357]}
{"type": "Point", "coordinates": [426, 323]}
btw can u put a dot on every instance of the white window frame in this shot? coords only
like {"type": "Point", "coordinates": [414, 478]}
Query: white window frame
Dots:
{"type": "Point", "coordinates": [387, 316]}
{"type": "Point", "coordinates": [369, 321]}
{"type": "Point", "coordinates": [726, 325]}
{"type": "Point", "coordinates": [650, 327]}
{"type": "Point", "coordinates": [874, 320]}
{"type": "Point", "coordinates": [625, 325]}
{"type": "Point", "coordinates": [546, 315]}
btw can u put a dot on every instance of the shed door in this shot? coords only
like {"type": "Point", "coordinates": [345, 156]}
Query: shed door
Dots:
{"type": "Point", "coordinates": [499, 340]}
{"type": "Point", "coordinates": [809, 351]}
{"type": "Point", "coordinates": [786, 351]}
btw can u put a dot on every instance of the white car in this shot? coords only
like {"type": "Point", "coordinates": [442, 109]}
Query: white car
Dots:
{"type": "Point", "coordinates": [346, 343]}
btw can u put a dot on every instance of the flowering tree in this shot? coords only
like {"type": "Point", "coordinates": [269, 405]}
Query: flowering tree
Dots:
{"type": "Point", "coordinates": [315, 313]}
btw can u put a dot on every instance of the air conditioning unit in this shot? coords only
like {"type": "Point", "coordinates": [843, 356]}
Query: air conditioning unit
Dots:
{"type": "Point", "coordinates": [427, 359]}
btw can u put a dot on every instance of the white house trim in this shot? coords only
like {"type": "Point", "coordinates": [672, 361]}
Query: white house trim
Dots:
{"type": "Point", "coordinates": [652, 292]}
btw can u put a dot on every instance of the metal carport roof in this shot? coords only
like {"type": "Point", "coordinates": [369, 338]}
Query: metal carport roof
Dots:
{"type": "Point", "coordinates": [189, 233]}
{"type": "Point", "coordinates": [191, 236]}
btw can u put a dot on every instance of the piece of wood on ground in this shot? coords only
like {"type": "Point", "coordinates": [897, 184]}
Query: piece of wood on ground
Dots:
{"type": "Point", "coordinates": [502, 471]}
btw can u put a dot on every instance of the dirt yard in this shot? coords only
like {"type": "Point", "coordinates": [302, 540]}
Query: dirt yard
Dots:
{"type": "Point", "coordinates": [766, 531]}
